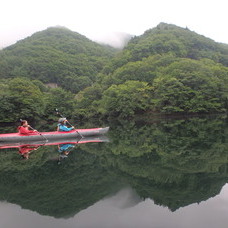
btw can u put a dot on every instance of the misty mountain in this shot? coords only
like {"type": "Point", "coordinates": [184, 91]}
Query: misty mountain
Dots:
{"type": "Point", "coordinates": [56, 55]}
{"type": "Point", "coordinates": [171, 39]}
{"type": "Point", "coordinates": [168, 69]}
{"type": "Point", "coordinates": [115, 39]}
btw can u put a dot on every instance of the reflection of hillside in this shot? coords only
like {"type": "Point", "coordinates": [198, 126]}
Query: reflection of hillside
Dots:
{"type": "Point", "coordinates": [174, 163]}
{"type": "Point", "coordinates": [56, 190]}
{"type": "Point", "coordinates": [194, 189]}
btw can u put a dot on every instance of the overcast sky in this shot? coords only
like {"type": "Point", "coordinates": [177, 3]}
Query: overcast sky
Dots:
{"type": "Point", "coordinates": [99, 19]}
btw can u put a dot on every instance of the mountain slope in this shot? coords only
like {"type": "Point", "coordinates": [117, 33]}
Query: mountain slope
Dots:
{"type": "Point", "coordinates": [168, 69]}
{"type": "Point", "coordinates": [166, 38]}
{"type": "Point", "coordinates": [56, 55]}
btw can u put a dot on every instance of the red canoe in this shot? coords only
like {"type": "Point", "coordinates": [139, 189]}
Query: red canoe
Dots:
{"type": "Point", "coordinates": [54, 135]}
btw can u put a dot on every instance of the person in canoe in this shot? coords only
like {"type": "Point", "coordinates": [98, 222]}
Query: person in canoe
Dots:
{"type": "Point", "coordinates": [62, 126]}
{"type": "Point", "coordinates": [25, 128]}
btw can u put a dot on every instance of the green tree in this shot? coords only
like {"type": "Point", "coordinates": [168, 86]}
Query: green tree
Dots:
{"type": "Point", "coordinates": [87, 101]}
{"type": "Point", "coordinates": [191, 86]}
{"type": "Point", "coordinates": [27, 99]}
{"type": "Point", "coordinates": [7, 107]}
{"type": "Point", "coordinates": [60, 99]}
{"type": "Point", "coordinates": [126, 99]}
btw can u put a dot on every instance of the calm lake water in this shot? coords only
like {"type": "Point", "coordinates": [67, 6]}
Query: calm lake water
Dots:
{"type": "Point", "coordinates": [160, 174]}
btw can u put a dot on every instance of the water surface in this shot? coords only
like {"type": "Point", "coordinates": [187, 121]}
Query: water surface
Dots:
{"type": "Point", "coordinates": [168, 173]}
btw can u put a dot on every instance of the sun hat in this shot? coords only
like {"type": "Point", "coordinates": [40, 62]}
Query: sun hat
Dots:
{"type": "Point", "coordinates": [61, 120]}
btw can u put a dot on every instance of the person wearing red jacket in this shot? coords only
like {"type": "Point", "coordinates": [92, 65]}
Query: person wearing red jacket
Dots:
{"type": "Point", "coordinates": [24, 128]}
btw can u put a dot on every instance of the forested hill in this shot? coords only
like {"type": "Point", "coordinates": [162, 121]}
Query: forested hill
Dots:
{"type": "Point", "coordinates": [62, 39]}
{"type": "Point", "coordinates": [168, 69]}
{"type": "Point", "coordinates": [181, 42]}
{"type": "Point", "coordinates": [171, 39]}
{"type": "Point", "coordinates": [56, 55]}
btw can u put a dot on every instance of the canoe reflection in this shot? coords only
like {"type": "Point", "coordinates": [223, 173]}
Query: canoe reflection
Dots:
{"type": "Point", "coordinates": [64, 145]}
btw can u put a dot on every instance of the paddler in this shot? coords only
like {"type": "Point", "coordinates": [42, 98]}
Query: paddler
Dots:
{"type": "Point", "coordinates": [62, 125]}
{"type": "Point", "coordinates": [25, 128]}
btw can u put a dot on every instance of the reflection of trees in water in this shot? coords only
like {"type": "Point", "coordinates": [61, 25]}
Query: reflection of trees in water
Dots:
{"type": "Point", "coordinates": [53, 189]}
{"type": "Point", "coordinates": [195, 145]}
{"type": "Point", "coordinates": [175, 163]}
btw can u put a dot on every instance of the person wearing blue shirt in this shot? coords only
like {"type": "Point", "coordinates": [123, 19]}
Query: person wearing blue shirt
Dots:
{"type": "Point", "coordinates": [62, 125]}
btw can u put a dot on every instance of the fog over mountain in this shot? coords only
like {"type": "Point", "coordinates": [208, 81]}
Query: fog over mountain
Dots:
{"type": "Point", "coordinates": [115, 39]}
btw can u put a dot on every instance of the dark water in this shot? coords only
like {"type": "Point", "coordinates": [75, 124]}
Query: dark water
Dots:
{"type": "Point", "coordinates": [166, 173]}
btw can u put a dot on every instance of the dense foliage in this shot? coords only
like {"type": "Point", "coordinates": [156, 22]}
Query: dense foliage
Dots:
{"type": "Point", "coordinates": [168, 69]}
{"type": "Point", "coordinates": [22, 98]}
{"type": "Point", "coordinates": [56, 55]}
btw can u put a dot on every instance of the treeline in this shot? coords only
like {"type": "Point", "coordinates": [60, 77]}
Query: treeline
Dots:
{"type": "Point", "coordinates": [166, 70]}
{"type": "Point", "coordinates": [176, 85]}
{"type": "Point", "coordinates": [30, 99]}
